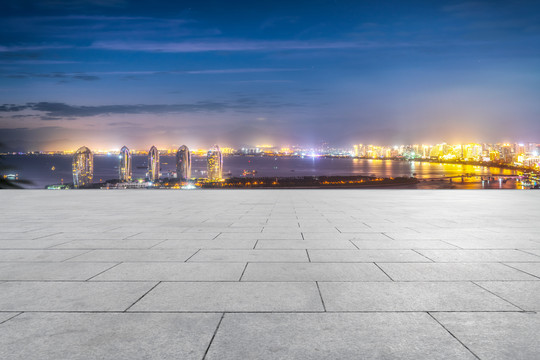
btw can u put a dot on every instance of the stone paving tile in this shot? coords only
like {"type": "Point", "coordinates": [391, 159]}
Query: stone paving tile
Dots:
{"type": "Point", "coordinates": [309, 235]}
{"type": "Point", "coordinates": [525, 294]}
{"type": "Point", "coordinates": [38, 255]}
{"type": "Point", "coordinates": [366, 256]}
{"type": "Point", "coordinates": [51, 271]}
{"type": "Point", "coordinates": [70, 296]}
{"type": "Point", "coordinates": [5, 316]}
{"type": "Point", "coordinates": [429, 235]}
{"type": "Point", "coordinates": [172, 271]}
{"type": "Point", "coordinates": [108, 244]}
{"type": "Point", "coordinates": [206, 244]}
{"type": "Point", "coordinates": [313, 272]}
{"type": "Point", "coordinates": [29, 244]}
{"type": "Point", "coordinates": [175, 236]}
{"type": "Point", "coordinates": [529, 268]}
{"type": "Point", "coordinates": [533, 251]}
{"type": "Point", "coordinates": [402, 244]}
{"type": "Point", "coordinates": [496, 335]}
{"type": "Point", "coordinates": [24, 235]}
{"type": "Point", "coordinates": [495, 244]}
{"type": "Point", "coordinates": [148, 255]}
{"type": "Point", "coordinates": [452, 272]}
{"type": "Point", "coordinates": [410, 296]}
{"type": "Point", "coordinates": [241, 229]}
{"type": "Point", "coordinates": [334, 336]}
{"type": "Point", "coordinates": [73, 336]}
{"type": "Point", "coordinates": [304, 244]}
{"type": "Point", "coordinates": [90, 235]}
{"type": "Point", "coordinates": [260, 236]}
{"type": "Point", "coordinates": [232, 297]}
{"type": "Point", "coordinates": [503, 255]}
{"type": "Point", "coordinates": [250, 256]}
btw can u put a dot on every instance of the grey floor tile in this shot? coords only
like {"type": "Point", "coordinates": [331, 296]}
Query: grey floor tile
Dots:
{"type": "Point", "coordinates": [26, 235]}
{"type": "Point", "coordinates": [70, 296]}
{"type": "Point", "coordinates": [171, 271]}
{"type": "Point", "coordinates": [495, 244]}
{"type": "Point", "coordinates": [250, 256]}
{"type": "Point", "coordinates": [501, 255]}
{"type": "Point", "coordinates": [313, 272]}
{"type": "Point", "coordinates": [5, 316]}
{"type": "Point", "coordinates": [108, 244]}
{"type": "Point", "coordinates": [530, 268]}
{"type": "Point", "coordinates": [146, 255]}
{"type": "Point", "coordinates": [72, 336]}
{"type": "Point", "coordinates": [533, 251]}
{"type": "Point", "coordinates": [496, 335]}
{"type": "Point", "coordinates": [206, 244]}
{"type": "Point", "coordinates": [38, 255]}
{"type": "Point", "coordinates": [232, 296]}
{"type": "Point", "coordinates": [334, 336]}
{"type": "Point", "coordinates": [410, 296]}
{"type": "Point", "coordinates": [305, 244]}
{"type": "Point", "coordinates": [51, 271]}
{"type": "Point", "coordinates": [292, 235]}
{"type": "Point", "coordinates": [325, 235]}
{"type": "Point", "coordinates": [366, 256]}
{"type": "Point", "coordinates": [452, 272]}
{"type": "Point", "coordinates": [175, 236]}
{"type": "Point", "coordinates": [29, 244]}
{"type": "Point", "coordinates": [85, 235]}
{"type": "Point", "coordinates": [525, 294]}
{"type": "Point", "coordinates": [402, 244]}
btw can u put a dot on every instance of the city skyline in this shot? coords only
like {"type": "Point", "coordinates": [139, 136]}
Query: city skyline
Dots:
{"type": "Point", "coordinates": [106, 73]}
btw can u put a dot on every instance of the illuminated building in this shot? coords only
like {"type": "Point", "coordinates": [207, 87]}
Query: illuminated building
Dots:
{"type": "Point", "coordinates": [124, 169]}
{"type": "Point", "coordinates": [153, 164]}
{"type": "Point", "coordinates": [214, 163]}
{"type": "Point", "coordinates": [228, 151]}
{"type": "Point", "coordinates": [183, 163]}
{"type": "Point", "coordinates": [83, 167]}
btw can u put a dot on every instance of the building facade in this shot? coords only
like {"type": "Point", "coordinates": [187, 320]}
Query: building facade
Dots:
{"type": "Point", "coordinates": [214, 164]}
{"type": "Point", "coordinates": [183, 163]}
{"type": "Point", "coordinates": [83, 167]}
{"type": "Point", "coordinates": [153, 164]}
{"type": "Point", "coordinates": [124, 168]}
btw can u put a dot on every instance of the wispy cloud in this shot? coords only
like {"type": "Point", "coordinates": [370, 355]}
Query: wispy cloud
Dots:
{"type": "Point", "coordinates": [54, 75]}
{"type": "Point", "coordinates": [225, 45]}
{"type": "Point", "coordinates": [131, 75]}
{"type": "Point", "coordinates": [55, 111]}
{"type": "Point", "coordinates": [18, 48]}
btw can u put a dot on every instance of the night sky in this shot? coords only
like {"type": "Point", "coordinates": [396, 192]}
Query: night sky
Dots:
{"type": "Point", "coordinates": [107, 73]}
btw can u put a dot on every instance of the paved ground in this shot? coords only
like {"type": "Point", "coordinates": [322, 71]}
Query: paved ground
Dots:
{"type": "Point", "coordinates": [290, 274]}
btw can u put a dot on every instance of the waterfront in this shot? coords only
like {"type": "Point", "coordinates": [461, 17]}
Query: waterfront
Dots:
{"type": "Point", "coordinates": [38, 169]}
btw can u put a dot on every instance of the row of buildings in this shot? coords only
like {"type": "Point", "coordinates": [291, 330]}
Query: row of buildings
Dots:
{"type": "Point", "coordinates": [83, 165]}
{"type": "Point", "coordinates": [510, 154]}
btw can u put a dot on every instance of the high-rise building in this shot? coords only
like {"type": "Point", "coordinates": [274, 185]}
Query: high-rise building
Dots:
{"type": "Point", "coordinates": [214, 164]}
{"type": "Point", "coordinates": [183, 163]}
{"type": "Point", "coordinates": [153, 164]}
{"type": "Point", "coordinates": [124, 168]}
{"type": "Point", "coordinates": [83, 167]}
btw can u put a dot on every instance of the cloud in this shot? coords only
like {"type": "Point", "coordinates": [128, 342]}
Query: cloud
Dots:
{"type": "Point", "coordinates": [17, 48]}
{"type": "Point", "coordinates": [55, 75]}
{"type": "Point", "coordinates": [57, 111]}
{"type": "Point", "coordinates": [225, 45]}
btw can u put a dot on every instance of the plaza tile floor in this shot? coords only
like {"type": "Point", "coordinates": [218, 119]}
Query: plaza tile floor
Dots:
{"type": "Point", "coordinates": [270, 274]}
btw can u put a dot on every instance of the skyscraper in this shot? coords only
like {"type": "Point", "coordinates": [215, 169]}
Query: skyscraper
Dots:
{"type": "Point", "coordinates": [83, 167]}
{"type": "Point", "coordinates": [214, 164]}
{"type": "Point", "coordinates": [183, 163]}
{"type": "Point", "coordinates": [124, 169]}
{"type": "Point", "coordinates": [153, 164]}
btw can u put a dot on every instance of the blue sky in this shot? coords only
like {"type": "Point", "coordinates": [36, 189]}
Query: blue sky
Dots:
{"type": "Point", "coordinates": [107, 73]}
